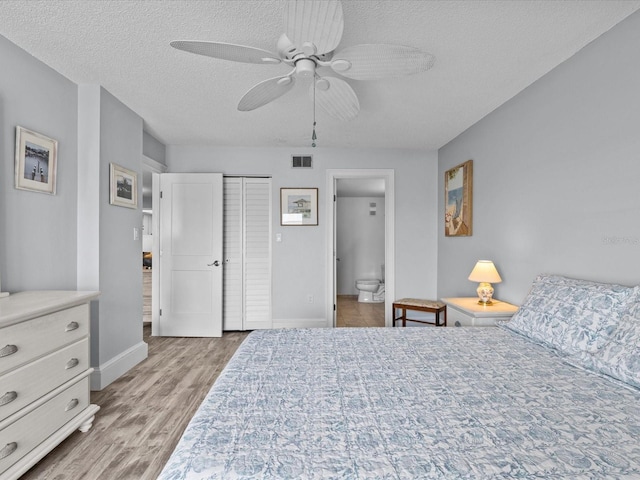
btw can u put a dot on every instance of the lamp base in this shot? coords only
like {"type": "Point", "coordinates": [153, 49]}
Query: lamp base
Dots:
{"type": "Point", "coordinates": [485, 293]}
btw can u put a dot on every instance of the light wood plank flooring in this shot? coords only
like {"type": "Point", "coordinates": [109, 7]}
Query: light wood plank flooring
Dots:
{"type": "Point", "coordinates": [351, 313]}
{"type": "Point", "coordinates": [143, 413]}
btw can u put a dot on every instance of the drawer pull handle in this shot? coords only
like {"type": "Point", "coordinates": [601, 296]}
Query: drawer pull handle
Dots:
{"type": "Point", "coordinates": [8, 449]}
{"type": "Point", "coordinates": [8, 398]}
{"type": "Point", "coordinates": [72, 363]}
{"type": "Point", "coordinates": [72, 326]}
{"type": "Point", "coordinates": [72, 404]}
{"type": "Point", "coordinates": [8, 350]}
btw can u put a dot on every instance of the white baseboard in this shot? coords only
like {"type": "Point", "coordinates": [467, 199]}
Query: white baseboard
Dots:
{"type": "Point", "coordinates": [113, 369]}
{"type": "Point", "coordinates": [300, 323]}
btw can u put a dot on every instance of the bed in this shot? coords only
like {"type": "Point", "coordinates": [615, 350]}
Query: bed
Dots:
{"type": "Point", "coordinates": [554, 394]}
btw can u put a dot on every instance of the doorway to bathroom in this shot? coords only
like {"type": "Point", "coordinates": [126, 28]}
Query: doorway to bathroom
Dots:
{"type": "Point", "coordinates": [360, 277]}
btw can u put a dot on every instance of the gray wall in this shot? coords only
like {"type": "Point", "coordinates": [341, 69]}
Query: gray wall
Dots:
{"type": "Point", "coordinates": [120, 254]}
{"type": "Point", "coordinates": [37, 231]}
{"type": "Point", "coordinates": [73, 239]}
{"type": "Point", "coordinates": [109, 255]}
{"type": "Point", "coordinates": [556, 176]}
{"type": "Point", "coordinates": [153, 148]}
{"type": "Point", "coordinates": [299, 261]}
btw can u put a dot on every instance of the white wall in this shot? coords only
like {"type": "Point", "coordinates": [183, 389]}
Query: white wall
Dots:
{"type": "Point", "coordinates": [556, 176]}
{"type": "Point", "coordinates": [360, 241]}
{"type": "Point", "coordinates": [299, 267]}
{"type": "Point", "coordinates": [37, 231]}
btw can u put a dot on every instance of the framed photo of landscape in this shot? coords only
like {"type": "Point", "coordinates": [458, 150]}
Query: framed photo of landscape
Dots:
{"type": "Point", "coordinates": [123, 186]}
{"type": "Point", "coordinates": [299, 206]}
{"type": "Point", "coordinates": [36, 161]}
{"type": "Point", "coordinates": [458, 200]}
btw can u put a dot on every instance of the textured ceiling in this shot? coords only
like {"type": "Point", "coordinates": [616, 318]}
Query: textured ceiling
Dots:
{"type": "Point", "coordinates": [486, 52]}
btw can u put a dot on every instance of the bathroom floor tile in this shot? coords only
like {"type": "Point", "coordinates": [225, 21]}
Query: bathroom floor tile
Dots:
{"type": "Point", "coordinates": [351, 313]}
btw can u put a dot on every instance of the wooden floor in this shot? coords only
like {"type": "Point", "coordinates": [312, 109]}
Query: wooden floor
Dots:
{"type": "Point", "coordinates": [144, 413]}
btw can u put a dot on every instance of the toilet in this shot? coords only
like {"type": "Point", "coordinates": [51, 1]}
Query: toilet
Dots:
{"type": "Point", "coordinates": [371, 291]}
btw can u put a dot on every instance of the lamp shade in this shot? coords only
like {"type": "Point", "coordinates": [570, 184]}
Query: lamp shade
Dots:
{"type": "Point", "coordinates": [485, 271]}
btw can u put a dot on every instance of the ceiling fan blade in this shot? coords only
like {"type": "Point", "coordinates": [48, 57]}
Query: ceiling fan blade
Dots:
{"type": "Point", "coordinates": [336, 97]}
{"type": "Point", "coordinates": [228, 51]}
{"type": "Point", "coordinates": [310, 24]}
{"type": "Point", "coordinates": [266, 92]}
{"type": "Point", "coordinates": [370, 62]}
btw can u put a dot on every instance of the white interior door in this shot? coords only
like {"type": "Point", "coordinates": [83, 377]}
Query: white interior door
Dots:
{"type": "Point", "coordinates": [190, 231]}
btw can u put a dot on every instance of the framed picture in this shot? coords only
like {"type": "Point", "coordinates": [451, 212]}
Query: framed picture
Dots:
{"type": "Point", "coordinates": [458, 199]}
{"type": "Point", "coordinates": [298, 206]}
{"type": "Point", "coordinates": [36, 161]}
{"type": "Point", "coordinates": [123, 187]}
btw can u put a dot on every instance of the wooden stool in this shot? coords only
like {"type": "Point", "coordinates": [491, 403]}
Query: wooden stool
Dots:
{"type": "Point", "coordinates": [431, 306]}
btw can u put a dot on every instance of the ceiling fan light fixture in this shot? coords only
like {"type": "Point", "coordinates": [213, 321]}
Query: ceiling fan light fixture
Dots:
{"type": "Point", "coordinates": [305, 67]}
{"type": "Point", "coordinates": [309, 49]}
{"type": "Point", "coordinates": [286, 49]}
{"type": "Point", "coordinates": [284, 81]}
{"type": "Point", "coordinates": [322, 84]}
{"type": "Point", "coordinates": [341, 65]}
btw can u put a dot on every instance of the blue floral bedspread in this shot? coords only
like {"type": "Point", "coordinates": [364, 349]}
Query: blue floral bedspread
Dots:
{"type": "Point", "coordinates": [395, 403]}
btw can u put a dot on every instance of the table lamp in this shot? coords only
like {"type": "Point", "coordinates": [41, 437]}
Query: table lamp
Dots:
{"type": "Point", "coordinates": [485, 272]}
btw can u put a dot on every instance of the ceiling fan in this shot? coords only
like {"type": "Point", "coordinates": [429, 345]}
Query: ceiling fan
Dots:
{"type": "Point", "coordinates": [313, 30]}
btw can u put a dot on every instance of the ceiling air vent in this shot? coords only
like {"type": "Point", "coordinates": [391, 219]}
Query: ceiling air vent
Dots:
{"type": "Point", "coordinates": [301, 161]}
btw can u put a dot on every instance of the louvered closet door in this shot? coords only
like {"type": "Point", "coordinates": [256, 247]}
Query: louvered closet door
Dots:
{"type": "Point", "coordinates": [247, 247]}
{"type": "Point", "coordinates": [257, 253]}
{"type": "Point", "coordinates": [233, 278]}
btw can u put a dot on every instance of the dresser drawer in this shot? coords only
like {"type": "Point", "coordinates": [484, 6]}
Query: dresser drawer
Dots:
{"type": "Point", "coordinates": [21, 386]}
{"type": "Point", "coordinates": [25, 341]}
{"type": "Point", "coordinates": [22, 436]}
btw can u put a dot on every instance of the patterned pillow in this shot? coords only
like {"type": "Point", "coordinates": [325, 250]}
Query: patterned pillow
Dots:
{"type": "Point", "coordinates": [571, 315]}
{"type": "Point", "coordinates": [620, 357]}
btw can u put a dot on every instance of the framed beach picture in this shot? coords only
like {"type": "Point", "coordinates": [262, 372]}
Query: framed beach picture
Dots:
{"type": "Point", "coordinates": [123, 186]}
{"type": "Point", "coordinates": [298, 206]}
{"type": "Point", "coordinates": [36, 162]}
{"type": "Point", "coordinates": [458, 200]}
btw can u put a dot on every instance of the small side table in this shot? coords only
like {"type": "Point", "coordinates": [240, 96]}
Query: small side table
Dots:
{"type": "Point", "coordinates": [467, 312]}
{"type": "Point", "coordinates": [431, 306]}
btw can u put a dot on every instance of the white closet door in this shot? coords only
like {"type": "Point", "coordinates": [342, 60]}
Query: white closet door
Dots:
{"type": "Point", "coordinates": [233, 295]}
{"type": "Point", "coordinates": [247, 253]}
{"type": "Point", "coordinates": [257, 253]}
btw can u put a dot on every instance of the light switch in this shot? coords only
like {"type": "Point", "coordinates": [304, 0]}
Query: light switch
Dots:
{"type": "Point", "coordinates": [136, 233]}
{"type": "Point", "coordinates": [278, 237]}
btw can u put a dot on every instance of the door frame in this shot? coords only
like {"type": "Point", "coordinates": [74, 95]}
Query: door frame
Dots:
{"type": "Point", "coordinates": [389, 242]}
{"type": "Point", "coordinates": [155, 168]}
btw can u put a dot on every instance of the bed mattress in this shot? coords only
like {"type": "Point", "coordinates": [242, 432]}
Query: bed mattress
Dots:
{"type": "Point", "coordinates": [394, 403]}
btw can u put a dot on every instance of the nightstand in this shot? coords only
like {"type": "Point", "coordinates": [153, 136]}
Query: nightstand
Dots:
{"type": "Point", "coordinates": [467, 312]}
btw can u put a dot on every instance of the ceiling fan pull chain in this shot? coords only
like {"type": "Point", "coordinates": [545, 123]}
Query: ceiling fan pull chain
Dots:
{"type": "Point", "coordinates": [314, 137]}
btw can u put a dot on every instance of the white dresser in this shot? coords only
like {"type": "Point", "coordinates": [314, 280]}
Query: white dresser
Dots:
{"type": "Point", "coordinates": [466, 312]}
{"type": "Point", "coordinates": [44, 375]}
